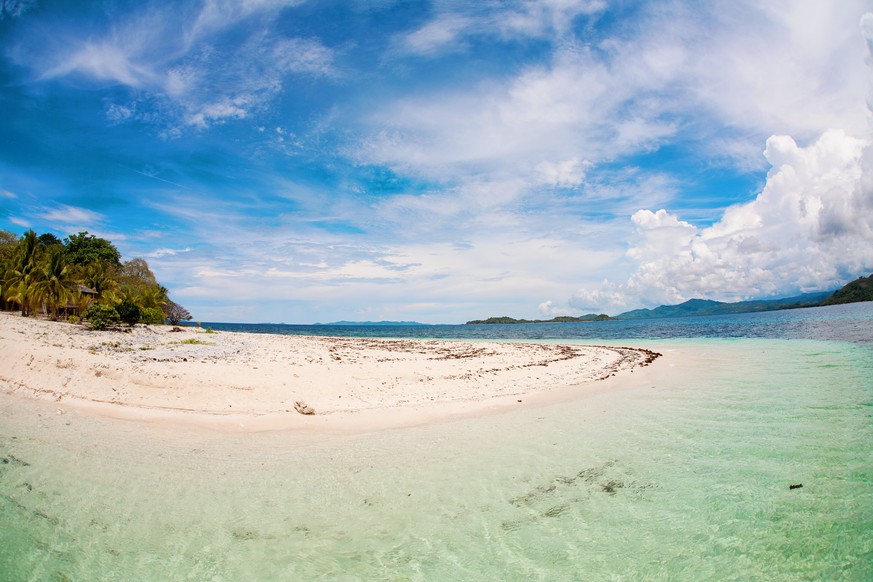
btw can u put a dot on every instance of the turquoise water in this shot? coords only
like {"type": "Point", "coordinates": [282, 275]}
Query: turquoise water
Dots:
{"type": "Point", "coordinates": [683, 475]}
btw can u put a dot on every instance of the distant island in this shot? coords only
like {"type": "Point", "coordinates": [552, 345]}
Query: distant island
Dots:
{"type": "Point", "coordinates": [395, 323]}
{"type": "Point", "coordinates": [561, 319]}
{"type": "Point", "coordinates": [860, 289]}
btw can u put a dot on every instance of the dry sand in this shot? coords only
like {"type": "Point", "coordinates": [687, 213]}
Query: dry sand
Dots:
{"type": "Point", "coordinates": [251, 381]}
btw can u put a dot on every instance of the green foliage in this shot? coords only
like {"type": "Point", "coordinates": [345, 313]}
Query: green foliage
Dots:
{"type": "Point", "coordinates": [8, 239]}
{"type": "Point", "coordinates": [128, 311]}
{"type": "Point", "coordinates": [48, 240]}
{"type": "Point", "coordinates": [84, 248]}
{"type": "Point", "coordinates": [23, 274]}
{"type": "Point", "coordinates": [57, 285]}
{"type": "Point", "coordinates": [73, 319]}
{"type": "Point", "coordinates": [101, 316]}
{"type": "Point", "coordinates": [41, 274]}
{"type": "Point", "coordinates": [152, 316]}
{"type": "Point", "coordinates": [100, 277]}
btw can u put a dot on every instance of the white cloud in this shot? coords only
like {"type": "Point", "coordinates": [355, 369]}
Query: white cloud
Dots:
{"type": "Point", "coordinates": [549, 309]}
{"type": "Point", "coordinates": [783, 67]}
{"type": "Point", "coordinates": [216, 15]}
{"type": "Point", "coordinates": [437, 34]}
{"type": "Point", "coordinates": [210, 113]}
{"type": "Point", "coordinates": [7, 194]}
{"type": "Point", "coordinates": [167, 252]}
{"type": "Point", "coordinates": [303, 56]}
{"type": "Point", "coordinates": [15, 8]}
{"type": "Point", "coordinates": [65, 214]}
{"type": "Point", "coordinates": [186, 68]}
{"type": "Point", "coordinates": [723, 76]}
{"type": "Point", "coordinates": [566, 173]}
{"type": "Point", "coordinates": [451, 30]}
{"type": "Point", "coordinates": [103, 61]}
{"type": "Point", "coordinates": [809, 229]}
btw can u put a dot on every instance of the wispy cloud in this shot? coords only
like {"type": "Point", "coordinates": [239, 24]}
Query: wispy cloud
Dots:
{"type": "Point", "coordinates": [438, 34]}
{"type": "Point", "coordinates": [15, 8]}
{"type": "Point", "coordinates": [166, 252]}
{"type": "Point", "coordinates": [64, 214]}
{"type": "Point", "coordinates": [196, 67]}
{"type": "Point", "coordinates": [452, 29]}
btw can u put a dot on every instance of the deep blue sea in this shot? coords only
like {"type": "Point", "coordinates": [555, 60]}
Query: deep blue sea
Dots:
{"type": "Point", "coordinates": [850, 323]}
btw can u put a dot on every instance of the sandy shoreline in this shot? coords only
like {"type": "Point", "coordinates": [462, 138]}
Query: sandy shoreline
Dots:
{"type": "Point", "coordinates": [251, 381]}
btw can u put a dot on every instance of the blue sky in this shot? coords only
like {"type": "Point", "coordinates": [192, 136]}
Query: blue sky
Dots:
{"type": "Point", "coordinates": [304, 161]}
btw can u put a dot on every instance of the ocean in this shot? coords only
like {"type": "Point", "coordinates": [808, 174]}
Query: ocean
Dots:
{"type": "Point", "coordinates": [851, 323]}
{"type": "Point", "coordinates": [750, 459]}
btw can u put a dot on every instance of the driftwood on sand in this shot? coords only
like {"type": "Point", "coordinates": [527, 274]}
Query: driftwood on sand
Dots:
{"type": "Point", "coordinates": [303, 408]}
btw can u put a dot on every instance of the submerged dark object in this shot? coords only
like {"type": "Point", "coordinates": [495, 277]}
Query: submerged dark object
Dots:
{"type": "Point", "coordinates": [798, 486]}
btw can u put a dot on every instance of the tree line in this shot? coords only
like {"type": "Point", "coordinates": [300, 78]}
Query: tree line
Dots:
{"type": "Point", "coordinates": [81, 276]}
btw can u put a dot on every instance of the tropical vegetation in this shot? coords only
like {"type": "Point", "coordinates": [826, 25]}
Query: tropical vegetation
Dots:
{"type": "Point", "coordinates": [82, 275]}
{"type": "Point", "coordinates": [861, 289]}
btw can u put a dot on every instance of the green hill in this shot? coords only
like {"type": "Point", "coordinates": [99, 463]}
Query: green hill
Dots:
{"type": "Point", "coordinates": [861, 289]}
{"type": "Point", "coordinates": [694, 307]}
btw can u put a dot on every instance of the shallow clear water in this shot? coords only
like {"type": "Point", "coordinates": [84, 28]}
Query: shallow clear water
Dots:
{"type": "Point", "coordinates": [683, 476]}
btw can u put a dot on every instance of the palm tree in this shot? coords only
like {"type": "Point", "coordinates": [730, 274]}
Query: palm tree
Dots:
{"type": "Point", "coordinates": [101, 279]}
{"type": "Point", "coordinates": [57, 284]}
{"type": "Point", "coordinates": [24, 274]}
{"type": "Point", "coordinates": [154, 296]}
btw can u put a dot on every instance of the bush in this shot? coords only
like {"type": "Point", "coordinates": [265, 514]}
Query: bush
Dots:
{"type": "Point", "coordinates": [152, 316]}
{"type": "Point", "coordinates": [74, 319]}
{"type": "Point", "coordinates": [128, 311]}
{"type": "Point", "coordinates": [101, 316]}
{"type": "Point", "coordinates": [176, 313]}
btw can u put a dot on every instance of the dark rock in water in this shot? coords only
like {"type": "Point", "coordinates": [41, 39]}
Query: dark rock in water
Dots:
{"type": "Point", "coordinates": [797, 486]}
{"type": "Point", "coordinates": [13, 460]}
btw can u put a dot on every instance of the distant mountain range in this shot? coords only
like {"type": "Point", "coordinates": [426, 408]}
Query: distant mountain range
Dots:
{"type": "Point", "coordinates": [395, 323]}
{"type": "Point", "coordinates": [858, 290]}
{"type": "Point", "coordinates": [709, 307]}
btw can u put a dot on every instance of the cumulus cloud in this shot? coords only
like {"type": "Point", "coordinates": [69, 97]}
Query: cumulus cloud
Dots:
{"type": "Point", "coordinates": [808, 229]}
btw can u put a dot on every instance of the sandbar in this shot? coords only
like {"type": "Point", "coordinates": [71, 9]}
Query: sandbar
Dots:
{"type": "Point", "coordinates": [251, 382]}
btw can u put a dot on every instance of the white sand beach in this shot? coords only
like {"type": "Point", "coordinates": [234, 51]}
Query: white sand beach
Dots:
{"type": "Point", "coordinates": [241, 381]}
